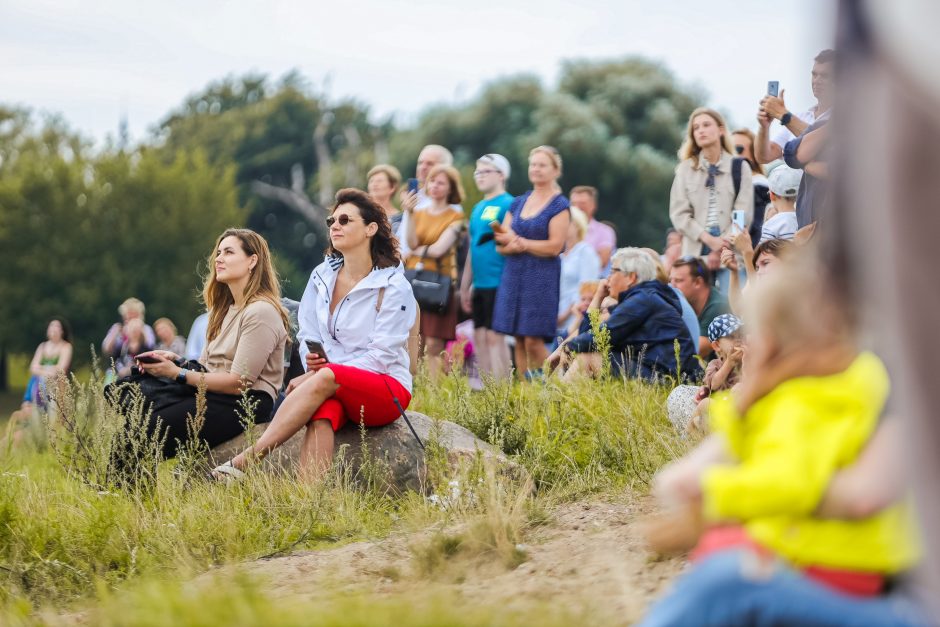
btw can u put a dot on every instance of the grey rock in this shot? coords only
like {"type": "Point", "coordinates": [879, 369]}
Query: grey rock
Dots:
{"type": "Point", "coordinates": [680, 405]}
{"type": "Point", "coordinates": [400, 459]}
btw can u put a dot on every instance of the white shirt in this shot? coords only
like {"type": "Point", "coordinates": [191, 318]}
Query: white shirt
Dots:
{"type": "Point", "coordinates": [782, 134]}
{"type": "Point", "coordinates": [356, 334]}
{"type": "Point", "coordinates": [781, 226]}
{"type": "Point", "coordinates": [580, 264]}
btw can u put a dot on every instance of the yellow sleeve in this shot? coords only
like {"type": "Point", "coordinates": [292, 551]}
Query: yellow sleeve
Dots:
{"type": "Point", "coordinates": [725, 420]}
{"type": "Point", "coordinates": [791, 452]}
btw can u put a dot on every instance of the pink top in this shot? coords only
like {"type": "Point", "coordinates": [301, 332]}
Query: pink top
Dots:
{"type": "Point", "coordinates": [600, 236]}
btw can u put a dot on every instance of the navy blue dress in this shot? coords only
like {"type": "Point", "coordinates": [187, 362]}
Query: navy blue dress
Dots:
{"type": "Point", "coordinates": [527, 297]}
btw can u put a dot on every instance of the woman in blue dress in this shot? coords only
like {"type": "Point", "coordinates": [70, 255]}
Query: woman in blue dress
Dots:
{"type": "Point", "coordinates": [532, 238]}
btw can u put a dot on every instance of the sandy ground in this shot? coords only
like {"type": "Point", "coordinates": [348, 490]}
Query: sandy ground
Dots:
{"type": "Point", "coordinates": [588, 556]}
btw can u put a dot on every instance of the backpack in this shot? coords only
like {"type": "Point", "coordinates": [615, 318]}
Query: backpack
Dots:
{"type": "Point", "coordinates": [761, 200]}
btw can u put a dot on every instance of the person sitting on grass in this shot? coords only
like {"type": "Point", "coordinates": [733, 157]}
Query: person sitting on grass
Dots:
{"type": "Point", "coordinates": [644, 326]}
{"type": "Point", "coordinates": [809, 403]}
{"type": "Point", "coordinates": [723, 372]}
{"type": "Point", "coordinates": [359, 309]}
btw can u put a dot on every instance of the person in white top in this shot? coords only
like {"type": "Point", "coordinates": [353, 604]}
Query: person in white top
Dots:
{"type": "Point", "coordinates": [356, 314]}
{"type": "Point", "coordinates": [767, 148]}
{"type": "Point", "coordinates": [781, 220]}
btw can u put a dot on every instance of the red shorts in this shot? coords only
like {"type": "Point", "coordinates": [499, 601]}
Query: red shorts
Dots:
{"type": "Point", "coordinates": [362, 396]}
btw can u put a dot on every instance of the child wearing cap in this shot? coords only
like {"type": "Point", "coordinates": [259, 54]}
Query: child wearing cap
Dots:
{"type": "Point", "coordinates": [780, 219]}
{"type": "Point", "coordinates": [724, 371]}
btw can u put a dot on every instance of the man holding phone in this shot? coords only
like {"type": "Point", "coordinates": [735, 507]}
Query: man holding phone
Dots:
{"type": "Point", "coordinates": [483, 268]}
{"type": "Point", "coordinates": [769, 147]}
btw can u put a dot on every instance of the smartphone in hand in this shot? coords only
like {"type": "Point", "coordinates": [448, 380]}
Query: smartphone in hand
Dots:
{"type": "Point", "coordinates": [316, 348]}
{"type": "Point", "coordinates": [497, 226]}
{"type": "Point", "coordinates": [148, 358]}
{"type": "Point", "coordinates": [737, 218]}
{"type": "Point", "coordinates": [413, 185]}
{"type": "Point", "coordinates": [773, 88]}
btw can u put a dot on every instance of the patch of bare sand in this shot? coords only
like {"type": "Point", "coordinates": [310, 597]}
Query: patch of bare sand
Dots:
{"type": "Point", "coordinates": [588, 557]}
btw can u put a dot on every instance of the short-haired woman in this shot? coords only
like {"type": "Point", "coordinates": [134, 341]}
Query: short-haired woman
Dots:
{"type": "Point", "coordinates": [433, 233]}
{"type": "Point", "coordinates": [703, 197]}
{"type": "Point", "coordinates": [248, 328]}
{"type": "Point", "coordinates": [360, 309]}
{"type": "Point", "coordinates": [167, 337]}
{"type": "Point", "coordinates": [579, 264]}
{"type": "Point", "coordinates": [644, 326]}
{"type": "Point", "coordinates": [382, 182]}
{"type": "Point", "coordinates": [532, 238]}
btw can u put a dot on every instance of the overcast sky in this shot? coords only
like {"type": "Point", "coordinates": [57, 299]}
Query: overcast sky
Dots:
{"type": "Point", "coordinates": [94, 60]}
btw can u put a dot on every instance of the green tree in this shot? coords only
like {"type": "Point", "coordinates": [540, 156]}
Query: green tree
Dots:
{"type": "Point", "coordinates": [83, 231]}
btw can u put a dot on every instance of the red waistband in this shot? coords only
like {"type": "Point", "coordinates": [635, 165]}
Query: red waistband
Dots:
{"type": "Point", "coordinates": [854, 582]}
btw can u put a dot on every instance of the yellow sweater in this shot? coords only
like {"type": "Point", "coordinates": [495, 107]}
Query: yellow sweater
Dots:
{"type": "Point", "coordinates": [788, 446]}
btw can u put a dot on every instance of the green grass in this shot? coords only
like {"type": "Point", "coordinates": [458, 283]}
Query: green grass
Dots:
{"type": "Point", "coordinates": [125, 556]}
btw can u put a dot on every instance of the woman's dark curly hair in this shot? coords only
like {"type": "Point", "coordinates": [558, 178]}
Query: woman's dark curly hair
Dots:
{"type": "Point", "coordinates": [384, 245]}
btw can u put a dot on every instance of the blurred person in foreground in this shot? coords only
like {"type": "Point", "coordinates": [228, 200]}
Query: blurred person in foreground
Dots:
{"type": "Point", "coordinates": [811, 400]}
{"type": "Point", "coordinates": [532, 238]}
{"type": "Point", "coordinates": [483, 269]}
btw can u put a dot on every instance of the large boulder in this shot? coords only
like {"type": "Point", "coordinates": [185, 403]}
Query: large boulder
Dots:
{"type": "Point", "coordinates": [399, 457]}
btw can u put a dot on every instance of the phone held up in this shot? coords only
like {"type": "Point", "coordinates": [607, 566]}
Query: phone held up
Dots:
{"type": "Point", "coordinates": [773, 88]}
{"type": "Point", "coordinates": [737, 218]}
{"type": "Point", "coordinates": [413, 185]}
{"type": "Point", "coordinates": [316, 348]}
{"type": "Point", "coordinates": [148, 358]}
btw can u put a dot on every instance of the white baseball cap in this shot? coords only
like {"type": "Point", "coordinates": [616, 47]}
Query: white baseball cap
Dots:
{"type": "Point", "coordinates": [499, 162]}
{"type": "Point", "coordinates": [785, 181]}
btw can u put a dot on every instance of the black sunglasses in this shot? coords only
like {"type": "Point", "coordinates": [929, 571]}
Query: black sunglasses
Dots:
{"type": "Point", "coordinates": [343, 220]}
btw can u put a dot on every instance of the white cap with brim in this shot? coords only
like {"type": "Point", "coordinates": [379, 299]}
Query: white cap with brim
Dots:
{"type": "Point", "coordinates": [785, 181]}
{"type": "Point", "coordinates": [499, 162]}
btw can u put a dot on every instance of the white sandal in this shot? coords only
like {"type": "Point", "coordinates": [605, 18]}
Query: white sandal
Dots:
{"type": "Point", "coordinates": [227, 473]}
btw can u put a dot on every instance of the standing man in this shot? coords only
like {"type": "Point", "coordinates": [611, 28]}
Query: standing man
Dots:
{"type": "Point", "coordinates": [600, 236]}
{"type": "Point", "coordinates": [484, 266]}
{"type": "Point", "coordinates": [690, 276]}
{"type": "Point", "coordinates": [769, 148]}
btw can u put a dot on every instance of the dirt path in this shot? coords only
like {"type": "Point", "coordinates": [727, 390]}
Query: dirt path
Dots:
{"type": "Point", "coordinates": [588, 556]}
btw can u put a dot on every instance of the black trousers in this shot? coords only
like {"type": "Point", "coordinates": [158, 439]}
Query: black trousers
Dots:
{"type": "Point", "coordinates": [222, 420]}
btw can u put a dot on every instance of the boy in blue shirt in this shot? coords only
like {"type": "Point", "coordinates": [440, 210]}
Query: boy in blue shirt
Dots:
{"type": "Point", "coordinates": [484, 266]}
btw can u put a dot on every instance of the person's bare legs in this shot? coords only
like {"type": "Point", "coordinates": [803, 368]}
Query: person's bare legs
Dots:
{"type": "Point", "coordinates": [536, 352]}
{"type": "Point", "coordinates": [316, 456]}
{"type": "Point", "coordinates": [498, 352]}
{"type": "Point", "coordinates": [291, 416]}
{"type": "Point", "coordinates": [522, 359]}
{"type": "Point", "coordinates": [482, 350]}
{"type": "Point", "coordinates": [434, 347]}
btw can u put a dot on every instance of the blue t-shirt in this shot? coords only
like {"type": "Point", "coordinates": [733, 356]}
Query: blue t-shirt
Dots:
{"type": "Point", "coordinates": [487, 263]}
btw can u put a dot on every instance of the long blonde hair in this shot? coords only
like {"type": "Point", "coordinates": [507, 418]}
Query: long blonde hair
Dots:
{"type": "Point", "coordinates": [691, 150]}
{"type": "Point", "coordinates": [262, 285]}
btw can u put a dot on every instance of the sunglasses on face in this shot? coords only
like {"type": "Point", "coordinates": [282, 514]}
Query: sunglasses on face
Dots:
{"type": "Point", "coordinates": [342, 219]}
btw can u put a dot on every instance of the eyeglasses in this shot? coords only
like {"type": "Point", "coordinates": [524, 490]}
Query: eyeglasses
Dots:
{"type": "Point", "coordinates": [484, 172]}
{"type": "Point", "coordinates": [343, 220]}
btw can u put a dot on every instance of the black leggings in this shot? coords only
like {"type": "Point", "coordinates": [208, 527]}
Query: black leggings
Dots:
{"type": "Point", "coordinates": [222, 420]}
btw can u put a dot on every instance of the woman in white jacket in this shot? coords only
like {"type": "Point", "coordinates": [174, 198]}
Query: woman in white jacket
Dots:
{"type": "Point", "coordinates": [360, 309]}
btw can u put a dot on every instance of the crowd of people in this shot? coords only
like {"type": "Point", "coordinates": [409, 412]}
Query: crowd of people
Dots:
{"type": "Point", "coordinates": [788, 403]}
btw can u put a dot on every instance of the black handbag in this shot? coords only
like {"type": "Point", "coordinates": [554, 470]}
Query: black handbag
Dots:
{"type": "Point", "coordinates": [431, 289]}
{"type": "Point", "coordinates": [159, 392]}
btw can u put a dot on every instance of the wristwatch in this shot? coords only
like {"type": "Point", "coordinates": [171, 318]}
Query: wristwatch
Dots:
{"type": "Point", "coordinates": [181, 376]}
{"type": "Point", "coordinates": [785, 118]}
